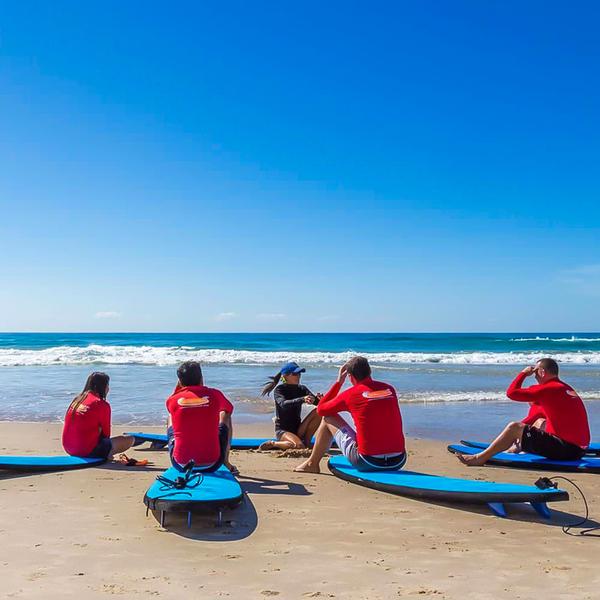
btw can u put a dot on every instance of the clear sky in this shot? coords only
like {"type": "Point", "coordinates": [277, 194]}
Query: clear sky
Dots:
{"type": "Point", "coordinates": [306, 166]}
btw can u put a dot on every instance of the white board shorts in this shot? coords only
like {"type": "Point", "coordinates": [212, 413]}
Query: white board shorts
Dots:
{"type": "Point", "coordinates": [345, 438]}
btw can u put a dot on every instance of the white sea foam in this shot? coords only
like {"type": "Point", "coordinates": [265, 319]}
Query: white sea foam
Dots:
{"type": "Point", "coordinates": [471, 396]}
{"type": "Point", "coordinates": [164, 356]}
{"type": "Point", "coordinates": [572, 339]}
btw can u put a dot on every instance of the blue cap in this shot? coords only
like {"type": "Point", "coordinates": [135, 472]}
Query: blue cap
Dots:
{"type": "Point", "coordinates": [292, 368]}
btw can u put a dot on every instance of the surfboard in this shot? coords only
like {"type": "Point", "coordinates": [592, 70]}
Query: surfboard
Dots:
{"type": "Point", "coordinates": [200, 493]}
{"type": "Point", "coordinates": [47, 463]}
{"type": "Point", "coordinates": [588, 464]}
{"type": "Point", "coordinates": [448, 489]}
{"type": "Point", "coordinates": [159, 440]}
{"type": "Point", "coordinates": [593, 449]}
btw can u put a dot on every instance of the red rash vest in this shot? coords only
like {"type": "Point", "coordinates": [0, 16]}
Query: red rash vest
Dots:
{"type": "Point", "coordinates": [374, 408]}
{"type": "Point", "coordinates": [194, 414]}
{"type": "Point", "coordinates": [535, 413]}
{"type": "Point", "coordinates": [565, 413]}
{"type": "Point", "coordinates": [84, 424]}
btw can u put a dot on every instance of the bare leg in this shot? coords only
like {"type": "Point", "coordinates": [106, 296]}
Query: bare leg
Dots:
{"type": "Point", "coordinates": [540, 424]}
{"type": "Point", "coordinates": [225, 419]}
{"type": "Point", "coordinates": [327, 429]}
{"type": "Point", "coordinates": [287, 441]}
{"type": "Point", "coordinates": [120, 443]}
{"type": "Point", "coordinates": [512, 433]}
{"type": "Point", "coordinates": [309, 426]}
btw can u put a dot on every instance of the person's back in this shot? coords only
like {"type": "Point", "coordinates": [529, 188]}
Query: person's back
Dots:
{"type": "Point", "coordinates": [195, 414]}
{"type": "Point", "coordinates": [86, 421]}
{"type": "Point", "coordinates": [566, 416]}
{"type": "Point", "coordinates": [376, 414]}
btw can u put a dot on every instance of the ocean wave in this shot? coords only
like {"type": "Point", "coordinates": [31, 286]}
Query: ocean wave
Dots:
{"type": "Point", "coordinates": [434, 397]}
{"type": "Point", "coordinates": [164, 356]}
{"type": "Point", "coordinates": [572, 339]}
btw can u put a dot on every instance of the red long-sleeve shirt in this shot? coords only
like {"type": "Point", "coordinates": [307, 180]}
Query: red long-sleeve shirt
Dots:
{"type": "Point", "coordinates": [565, 412]}
{"type": "Point", "coordinates": [85, 423]}
{"type": "Point", "coordinates": [195, 414]}
{"type": "Point", "coordinates": [376, 413]}
{"type": "Point", "coordinates": [535, 412]}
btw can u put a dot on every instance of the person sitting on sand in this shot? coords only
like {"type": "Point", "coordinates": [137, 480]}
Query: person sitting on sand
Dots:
{"type": "Point", "coordinates": [378, 442]}
{"type": "Point", "coordinates": [291, 431]}
{"type": "Point", "coordinates": [199, 426]}
{"type": "Point", "coordinates": [567, 433]}
{"type": "Point", "coordinates": [86, 431]}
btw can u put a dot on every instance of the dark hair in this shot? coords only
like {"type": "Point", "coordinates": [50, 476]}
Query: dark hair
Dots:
{"type": "Point", "coordinates": [270, 385]}
{"type": "Point", "coordinates": [549, 365]}
{"type": "Point", "coordinates": [97, 383]}
{"type": "Point", "coordinates": [190, 373]}
{"type": "Point", "coordinates": [359, 368]}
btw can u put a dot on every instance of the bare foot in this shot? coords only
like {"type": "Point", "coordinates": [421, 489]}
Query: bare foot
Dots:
{"type": "Point", "coordinates": [234, 470]}
{"type": "Point", "coordinates": [471, 460]}
{"type": "Point", "coordinates": [306, 467]}
{"type": "Point", "coordinates": [268, 445]}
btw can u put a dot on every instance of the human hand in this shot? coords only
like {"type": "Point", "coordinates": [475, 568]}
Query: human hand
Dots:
{"type": "Point", "coordinates": [342, 373]}
{"type": "Point", "coordinates": [309, 399]}
{"type": "Point", "coordinates": [530, 370]}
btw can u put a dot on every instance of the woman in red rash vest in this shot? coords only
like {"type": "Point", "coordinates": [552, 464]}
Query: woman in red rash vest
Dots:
{"type": "Point", "coordinates": [87, 423]}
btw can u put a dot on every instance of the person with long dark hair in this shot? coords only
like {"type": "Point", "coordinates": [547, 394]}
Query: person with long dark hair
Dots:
{"type": "Point", "coordinates": [291, 431]}
{"type": "Point", "coordinates": [86, 431]}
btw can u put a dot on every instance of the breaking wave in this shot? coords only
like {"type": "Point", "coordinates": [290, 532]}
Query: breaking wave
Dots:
{"type": "Point", "coordinates": [164, 356]}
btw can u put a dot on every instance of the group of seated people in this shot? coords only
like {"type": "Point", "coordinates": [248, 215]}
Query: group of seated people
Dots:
{"type": "Point", "coordinates": [200, 425]}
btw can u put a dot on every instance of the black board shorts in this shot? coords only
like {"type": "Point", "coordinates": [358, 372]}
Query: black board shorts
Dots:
{"type": "Point", "coordinates": [536, 441]}
{"type": "Point", "coordinates": [102, 449]}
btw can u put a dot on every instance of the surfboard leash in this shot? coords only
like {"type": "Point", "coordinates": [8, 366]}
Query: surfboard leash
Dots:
{"type": "Point", "coordinates": [545, 483]}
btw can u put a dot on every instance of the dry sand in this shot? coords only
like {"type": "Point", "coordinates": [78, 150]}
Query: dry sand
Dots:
{"type": "Point", "coordinates": [85, 534]}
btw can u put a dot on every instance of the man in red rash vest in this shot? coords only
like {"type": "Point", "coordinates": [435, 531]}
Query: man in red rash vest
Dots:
{"type": "Point", "coordinates": [567, 433]}
{"type": "Point", "coordinates": [199, 426]}
{"type": "Point", "coordinates": [378, 442]}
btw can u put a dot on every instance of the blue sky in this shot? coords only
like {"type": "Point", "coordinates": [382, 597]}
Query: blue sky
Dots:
{"type": "Point", "coordinates": [396, 166]}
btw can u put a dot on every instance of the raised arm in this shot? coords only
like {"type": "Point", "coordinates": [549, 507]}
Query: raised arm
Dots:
{"type": "Point", "coordinates": [520, 394]}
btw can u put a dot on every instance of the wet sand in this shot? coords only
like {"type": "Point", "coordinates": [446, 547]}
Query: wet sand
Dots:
{"type": "Point", "coordinates": [85, 534]}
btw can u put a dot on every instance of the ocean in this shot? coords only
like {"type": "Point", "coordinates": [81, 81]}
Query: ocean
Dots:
{"type": "Point", "coordinates": [450, 385]}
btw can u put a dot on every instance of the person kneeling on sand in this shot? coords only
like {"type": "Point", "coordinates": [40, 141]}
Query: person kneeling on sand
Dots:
{"type": "Point", "coordinates": [566, 435]}
{"type": "Point", "coordinates": [86, 431]}
{"type": "Point", "coordinates": [199, 427]}
{"type": "Point", "coordinates": [378, 442]}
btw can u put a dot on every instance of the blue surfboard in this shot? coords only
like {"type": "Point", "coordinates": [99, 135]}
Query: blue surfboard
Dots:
{"type": "Point", "coordinates": [593, 449]}
{"type": "Point", "coordinates": [47, 463]}
{"type": "Point", "coordinates": [159, 440]}
{"type": "Point", "coordinates": [199, 493]}
{"type": "Point", "coordinates": [448, 489]}
{"type": "Point", "coordinates": [588, 464]}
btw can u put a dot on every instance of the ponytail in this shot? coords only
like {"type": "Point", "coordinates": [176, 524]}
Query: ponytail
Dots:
{"type": "Point", "coordinates": [271, 385]}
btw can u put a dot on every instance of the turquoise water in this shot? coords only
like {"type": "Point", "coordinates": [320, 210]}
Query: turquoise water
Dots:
{"type": "Point", "coordinates": [444, 381]}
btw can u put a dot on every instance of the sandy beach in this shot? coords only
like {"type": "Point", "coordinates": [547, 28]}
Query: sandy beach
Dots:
{"type": "Point", "coordinates": [85, 534]}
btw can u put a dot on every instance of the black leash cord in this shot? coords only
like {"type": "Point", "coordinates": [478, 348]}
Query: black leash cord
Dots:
{"type": "Point", "coordinates": [188, 481]}
{"type": "Point", "coordinates": [567, 528]}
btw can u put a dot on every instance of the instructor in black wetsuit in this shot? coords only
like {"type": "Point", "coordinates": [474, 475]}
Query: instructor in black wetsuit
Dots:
{"type": "Point", "coordinates": [291, 431]}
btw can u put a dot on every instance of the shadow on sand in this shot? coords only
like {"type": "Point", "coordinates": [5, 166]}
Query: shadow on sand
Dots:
{"type": "Point", "coordinates": [236, 524]}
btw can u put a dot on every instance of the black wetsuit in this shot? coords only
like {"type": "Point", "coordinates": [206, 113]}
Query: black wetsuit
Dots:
{"type": "Point", "coordinates": [289, 399]}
